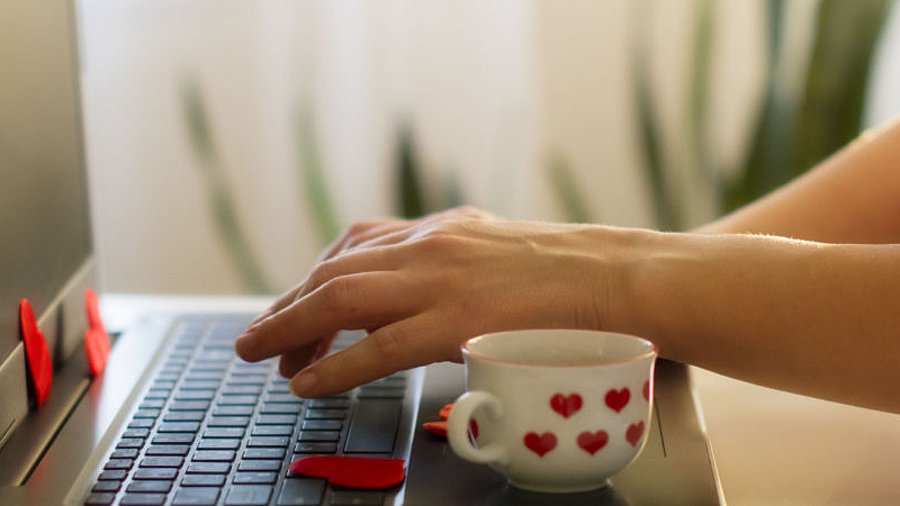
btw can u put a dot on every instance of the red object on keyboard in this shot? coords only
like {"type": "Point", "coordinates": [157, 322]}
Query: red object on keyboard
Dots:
{"type": "Point", "coordinates": [436, 428]}
{"type": "Point", "coordinates": [96, 340]}
{"type": "Point", "coordinates": [40, 365]}
{"type": "Point", "coordinates": [353, 472]}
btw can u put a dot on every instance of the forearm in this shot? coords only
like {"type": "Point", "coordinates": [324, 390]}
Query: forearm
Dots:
{"type": "Point", "coordinates": [853, 197]}
{"type": "Point", "coordinates": [816, 319]}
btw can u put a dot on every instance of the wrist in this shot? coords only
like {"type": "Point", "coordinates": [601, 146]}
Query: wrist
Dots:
{"type": "Point", "coordinates": [643, 294]}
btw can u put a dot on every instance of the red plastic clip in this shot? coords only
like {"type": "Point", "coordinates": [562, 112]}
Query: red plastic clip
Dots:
{"type": "Point", "coordinates": [353, 472]}
{"type": "Point", "coordinates": [96, 340]}
{"type": "Point", "coordinates": [40, 365]}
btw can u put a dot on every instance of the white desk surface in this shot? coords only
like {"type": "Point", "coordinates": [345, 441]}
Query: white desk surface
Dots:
{"type": "Point", "coordinates": [777, 448]}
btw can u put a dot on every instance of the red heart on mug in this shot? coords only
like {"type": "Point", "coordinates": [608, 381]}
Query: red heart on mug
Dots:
{"type": "Point", "coordinates": [40, 365]}
{"type": "Point", "coordinates": [618, 399]}
{"type": "Point", "coordinates": [566, 405]}
{"type": "Point", "coordinates": [96, 340]}
{"type": "Point", "coordinates": [540, 444]}
{"type": "Point", "coordinates": [646, 391]}
{"type": "Point", "coordinates": [634, 433]}
{"type": "Point", "coordinates": [352, 472]}
{"type": "Point", "coordinates": [592, 442]}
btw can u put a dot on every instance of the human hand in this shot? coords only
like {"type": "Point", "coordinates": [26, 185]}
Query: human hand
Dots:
{"type": "Point", "coordinates": [423, 287]}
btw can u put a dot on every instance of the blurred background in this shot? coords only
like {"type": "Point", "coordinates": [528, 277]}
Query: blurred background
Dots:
{"type": "Point", "coordinates": [229, 141]}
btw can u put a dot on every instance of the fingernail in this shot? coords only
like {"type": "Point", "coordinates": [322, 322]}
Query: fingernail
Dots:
{"type": "Point", "coordinates": [302, 383]}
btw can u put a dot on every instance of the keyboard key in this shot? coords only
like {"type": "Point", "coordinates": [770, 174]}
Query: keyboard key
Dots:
{"type": "Point", "coordinates": [203, 480]}
{"type": "Point", "coordinates": [283, 398]}
{"type": "Point", "coordinates": [126, 453]}
{"type": "Point", "coordinates": [112, 464]}
{"type": "Point", "coordinates": [146, 413]}
{"type": "Point", "coordinates": [152, 404]}
{"type": "Point", "coordinates": [157, 473]}
{"type": "Point", "coordinates": [189, 406]}
{"type": "Point", "coordinates": [107, 486]}
{"type": "Point", "coordinates": [238, 400]}
{"type": "Point", "coordinates": [149, 486]}
{"type": "Point", "coordinates": [196, 496]}
{"type": "Point", "coordinates": [381, 393]}
{"type": "Point", "coordinates": [357, 498]}
{"type": "Point", "coordinates": [259, 465]}
{"type": "Point", "coordinates": [196, 376]}
{"type": "Point", "coordinates": [219, 444]}
{"type": "Point", "coordinates": [100, 499]}
{"type": "Point", "coordinates": [115, 474]}
{"type": "Point", "coordinates": [264, 453]}
{"type": "Point", "coordinates": [136, 433]}
{"type": "Point", "coordinates": [234, 410]}
{"type": "Point", "coordinates": [265, 477]}
{"type": "Point", "coordinates": [224, 433]}
{"type": "Point", "coordinates": [130, 443]}
{"type": "Point", "coordinates": [143, 500]}
{"type": "Point", "coordinates": [174, 438]}
{"type": "Point", "coordinates": [168, 449]}
{"type": "Point", "coordinates": [329, 403]}
{"type": "Point", "coordinates": [373, 427]}
{"type": "Point", "coordinates": [194, 395]}
{"type": "Point", "coordinates": [201, 384]}
{"type": "Point", "coordinates": [276, 420]}
{"type": "Point", "coordinates": [273, 430]}
{"type": "Point", "coordinates": [315, 447]}
{"type": "Point", "coordinates": [239, 379]}
{"type": "Point", "coordinates": [209, 467]}
{"type": "Point", "coordinates": [301, 491]}
{"type": "Point", "coordinates": [184, 416]}
{"type": "Point", "coordinates": [179, 427]}
{"type": "Point", "coordinates": [325, 414]}
{"type": "Point", "coordinates": [162, 462]}
{"type": "Point", "coordinates": [279, 388]}
{"type": "Point", "coordinates": [269, 441]}
{"type": "Point", "coordinates": [324, 435]}
{"type": "Point", "coordinates": [141, 423]}
{"type": "Point", "coordinates": [271, 408]}
{"type": "Point", "coordinates": [242, 390]}
{"type": "Point", "coordinates": [248, 495]}
{"type": "Point", "coordinates": [322, 425]}
{"type": "Point", "coordinates": [229, 421]}
{"type": "Point", "coordinates": [213, 456]}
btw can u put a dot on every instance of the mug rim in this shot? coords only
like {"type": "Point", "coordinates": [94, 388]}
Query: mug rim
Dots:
{"type": "Point", "coordinates": [466, 351]}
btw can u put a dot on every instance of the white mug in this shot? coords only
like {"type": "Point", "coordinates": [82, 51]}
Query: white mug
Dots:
{"type": "Point", "coordinates": [554, 410]}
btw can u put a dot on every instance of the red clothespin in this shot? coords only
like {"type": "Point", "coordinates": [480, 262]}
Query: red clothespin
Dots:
{"type": "Point", "coordinates": [96, 340]}
{"type": "Point", "coordinates": [40, 365]}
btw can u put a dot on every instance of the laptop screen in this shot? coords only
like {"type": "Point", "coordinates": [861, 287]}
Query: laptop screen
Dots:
{"type": "Point", "coordinates": [44, 217]}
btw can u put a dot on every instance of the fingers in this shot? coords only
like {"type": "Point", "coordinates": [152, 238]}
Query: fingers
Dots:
{"type": "Point", "coordinates": [291, 362]}
{"type": "Point", "coordinates": [355, 301]}
{"type": "Point", "coordinates": [398, 346]}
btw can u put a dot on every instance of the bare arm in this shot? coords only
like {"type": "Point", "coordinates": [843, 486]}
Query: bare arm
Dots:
{"type": "Point", "coordinates": [853, 197]}
{"type": "Point", "coordinates": [818, 319]}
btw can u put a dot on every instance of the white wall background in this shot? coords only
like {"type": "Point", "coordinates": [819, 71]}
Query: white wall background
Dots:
{"type": "Point", "coordinates": [490, 88]}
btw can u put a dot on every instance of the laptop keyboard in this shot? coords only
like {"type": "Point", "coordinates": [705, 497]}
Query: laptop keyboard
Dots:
{"type": "Point", "coordinates": [212, 429]}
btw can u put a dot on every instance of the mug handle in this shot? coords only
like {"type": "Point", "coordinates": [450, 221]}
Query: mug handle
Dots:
{"type": "Point", "coordinates": [458, 428]}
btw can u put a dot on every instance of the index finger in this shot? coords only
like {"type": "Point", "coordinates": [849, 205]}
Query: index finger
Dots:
{"type": "Point", "coordinates": [392, 348]}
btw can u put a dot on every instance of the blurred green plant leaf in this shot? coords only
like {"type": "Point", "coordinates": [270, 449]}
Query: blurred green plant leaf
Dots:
{"type": "Point", "coordinates": [650, 133]}
{"type": "Point", "coordinates": [831, 113]}
{"type": "Point", "coordinates": [410, 195]}
{"type": "Point", "coordinates": [565, 187]}
{"type": "Point", "coordinates": [220, 198]}
{"type": "Point", "coordinates": [314, 183]}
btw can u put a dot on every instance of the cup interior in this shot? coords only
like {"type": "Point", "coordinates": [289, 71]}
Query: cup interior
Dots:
{"type": "Point", "coordinates": [559, 347]}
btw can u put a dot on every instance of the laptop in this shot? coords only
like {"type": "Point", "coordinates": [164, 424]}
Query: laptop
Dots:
{"type": "Point", "coordinates": [175, 417]}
